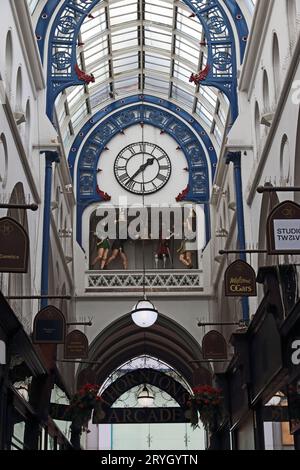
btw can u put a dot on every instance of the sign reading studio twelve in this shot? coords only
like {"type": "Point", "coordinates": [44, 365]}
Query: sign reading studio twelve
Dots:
{"type": "Point", "coordinates": [240, 280]}
{"type": "Point", "coordinates": [283, 229]}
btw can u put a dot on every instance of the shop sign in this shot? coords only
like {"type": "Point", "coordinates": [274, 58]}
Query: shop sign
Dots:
{"type": "Point", "coordinates": [76, 345]}
{"type": "Point", "coordinates": [140, 415]}
{"type": "Point", "coordinates": [283, 229]}
{"type": "Point", "coordinates": [49, 326]}
{"type": "Point", "coordinates": [214, 346]}
{"type": "Point", "coordinates": [14, 247]}
{"type": "Point", "coordinates": [240, 280]}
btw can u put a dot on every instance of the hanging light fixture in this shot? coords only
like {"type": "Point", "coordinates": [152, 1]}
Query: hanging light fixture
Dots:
{"type": "Point", "coordinates": [143, 314]}
{"type": "Point", "coordinates": [145, 397]}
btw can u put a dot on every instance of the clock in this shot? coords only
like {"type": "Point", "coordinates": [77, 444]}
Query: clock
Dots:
{"type": "Point", "coordinates": [142, 168]}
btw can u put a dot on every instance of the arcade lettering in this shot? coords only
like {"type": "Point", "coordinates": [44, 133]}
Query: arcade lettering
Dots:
{"type": "Point", "coordinates": [158, 379]}
{"type": "Point", "coordinates": [143, 415]}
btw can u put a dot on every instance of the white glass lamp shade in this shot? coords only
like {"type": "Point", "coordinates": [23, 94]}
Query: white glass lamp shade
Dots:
{"type": "Point", "coordinates": [145, 398]}
{"type": "Point", "coordinates": [144, 314]}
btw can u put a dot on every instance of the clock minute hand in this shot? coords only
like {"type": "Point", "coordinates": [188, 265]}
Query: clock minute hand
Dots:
{"type": "Point", "coordinates": [150, 161]}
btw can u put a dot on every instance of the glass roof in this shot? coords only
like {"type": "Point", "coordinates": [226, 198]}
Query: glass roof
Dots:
{"type": "Point", "coordinates": [142, 46]}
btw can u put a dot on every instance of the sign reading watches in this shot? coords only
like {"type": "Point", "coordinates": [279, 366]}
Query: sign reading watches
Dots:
{"type": "Point", "coordinates": [283, 229]}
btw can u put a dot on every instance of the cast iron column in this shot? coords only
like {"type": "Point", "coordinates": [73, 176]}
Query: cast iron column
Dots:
{"type": "Point", "coordinates": [235, 158]}
{"type": "Point", "coordinates": [51, 157]}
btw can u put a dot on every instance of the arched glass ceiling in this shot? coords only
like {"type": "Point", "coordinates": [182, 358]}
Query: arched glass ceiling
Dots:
{"type": "Point", "coordinates": [142, 46]}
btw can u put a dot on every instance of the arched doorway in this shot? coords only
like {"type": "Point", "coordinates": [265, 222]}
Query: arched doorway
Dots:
{"type": "Point", "coordinates": [163, 353]}
{"type": "Point", "coordinates": [128, 421]}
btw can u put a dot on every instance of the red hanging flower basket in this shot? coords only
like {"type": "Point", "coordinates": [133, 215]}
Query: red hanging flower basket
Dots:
{"type": "Point", "coordinates": [205, 404]}
{"type": "Point", "coordinates": [82, 405]}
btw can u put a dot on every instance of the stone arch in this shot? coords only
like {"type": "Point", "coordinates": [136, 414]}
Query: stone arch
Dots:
{"type": "Point", "coordinates": [266, 92]}
{"type": "Point", "coordinates": [166, 340]}
{"type": "Point", "coordinates": [3, 161]}
{"type": "Point", "coordinates": [276, 65]}
{"type": "Point", "coordinates": [285, 161]}
{"type": "Point", "coordinates": [8, 61]}
{"type": "Point", "coordinates": [19, 91]}
{"type": "Point", "coordinates": [149, 376]}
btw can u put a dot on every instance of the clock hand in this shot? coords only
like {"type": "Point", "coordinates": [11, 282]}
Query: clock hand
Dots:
{"type": "Point", "coordinates": [150, 161]}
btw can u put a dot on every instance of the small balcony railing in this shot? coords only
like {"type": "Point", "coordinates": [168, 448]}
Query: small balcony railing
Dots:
{"type": "Point", "coordinates": [155, 281]}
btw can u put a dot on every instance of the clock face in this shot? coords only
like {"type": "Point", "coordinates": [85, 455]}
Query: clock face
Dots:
{"type": "Point", "coordinates": [142, 168]}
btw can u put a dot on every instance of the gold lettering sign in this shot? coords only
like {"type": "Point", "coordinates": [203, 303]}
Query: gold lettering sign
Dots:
{"type": "Point", "coordinates": [240, 280]}
{"type": "Point", "coordinates": [14, 247]}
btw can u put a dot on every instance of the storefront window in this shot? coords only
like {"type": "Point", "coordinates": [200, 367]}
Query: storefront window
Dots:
{"type": "Point", "coordinates": [17, 442]}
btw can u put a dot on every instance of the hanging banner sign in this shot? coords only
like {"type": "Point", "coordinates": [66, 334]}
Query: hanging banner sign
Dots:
{"type": "Point", "coordinates": [49, 326]}
{"type": "Point", "coordinates": [240, 280]}
{"type": "Point", "coordinates": [14, 247]}
{"type": "Point", "coordinates": [283, 229]}
{"type": "Point", "coordinates": [76, 345]}
{"type": "Point", "coordinates": [214, 346]}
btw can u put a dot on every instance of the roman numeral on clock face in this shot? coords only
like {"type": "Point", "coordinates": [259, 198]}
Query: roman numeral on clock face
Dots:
{"type": "Point", "coordinates": [160, 177]}
{"type": "Point", "coordinates": [164, 167]}
{"type": "Point", "coordinates": [130, 184]}
{"type": "Point", "coordinates": [123, 177]}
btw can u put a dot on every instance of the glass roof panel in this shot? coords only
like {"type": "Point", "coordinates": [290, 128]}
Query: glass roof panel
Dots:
{"type": "Point", "coordinates": [134, 46]}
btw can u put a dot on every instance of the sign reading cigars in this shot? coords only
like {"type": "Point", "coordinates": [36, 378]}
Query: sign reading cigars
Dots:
{"type": "Point", "coordinates": [49, 326]}
{"type": "Point", "coordinates": [14, 247]}
{"type": "Point", "coordinates": [283, 229]}
{"type": "Point", "coordinates": [76, 345]}
{"type": "Point", "coordinates": [240, 280]}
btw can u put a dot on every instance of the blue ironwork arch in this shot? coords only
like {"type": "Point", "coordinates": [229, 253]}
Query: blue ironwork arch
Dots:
{"type": "Point", "coordinates": [67, 23]}
{"type": "Point", "coordinates": [126, 113]}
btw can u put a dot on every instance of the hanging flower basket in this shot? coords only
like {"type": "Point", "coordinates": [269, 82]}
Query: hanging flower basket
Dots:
{"type": "Point", "coordinates": [82, 405]}
{"type": "Point", "coordinates": [205, 404]}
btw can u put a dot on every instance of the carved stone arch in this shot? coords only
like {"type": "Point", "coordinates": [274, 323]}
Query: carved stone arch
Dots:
{"type": "Point", "coordinates": [139, 377]}
{"type": "Point", "coordinates": [166, 340]}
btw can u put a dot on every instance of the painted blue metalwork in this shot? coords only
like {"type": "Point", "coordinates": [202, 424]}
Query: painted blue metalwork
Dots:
{"type": "Point", "coordinates": [141, 110]}
{"type": "Point", "coordinates": [240, 24]}
{"type": "Point", "coordinates": [235, 158]}
{"type": "Point", "coordinates": [50, 157]}
{"type": "Point", "coordinates": [66, 26]}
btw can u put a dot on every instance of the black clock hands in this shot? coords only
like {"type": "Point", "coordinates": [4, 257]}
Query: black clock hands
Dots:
{"type": "Point", "coordinates": [143, 167]}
